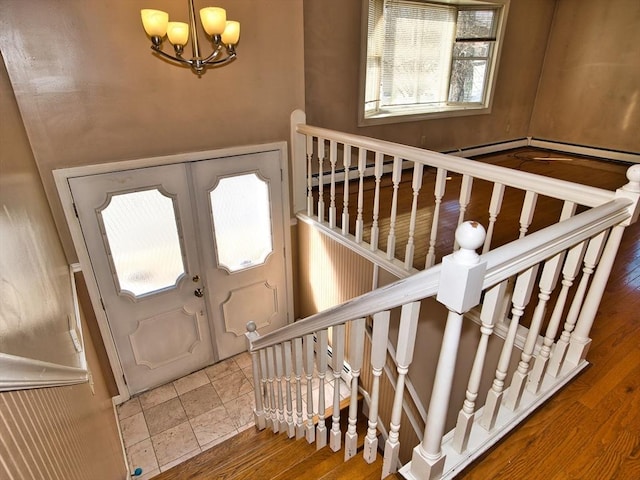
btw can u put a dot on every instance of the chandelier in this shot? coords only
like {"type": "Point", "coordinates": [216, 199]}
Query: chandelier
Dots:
{"type": "Point", "coordinates": [223, 35]}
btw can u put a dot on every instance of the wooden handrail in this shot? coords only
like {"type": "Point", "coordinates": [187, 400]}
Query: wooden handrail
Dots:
{"type": "Point", "coordinates": [502, 263]}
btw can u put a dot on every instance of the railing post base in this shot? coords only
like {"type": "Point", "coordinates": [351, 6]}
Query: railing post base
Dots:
{"type": "Point", "coordinates": [370, 449]}
{"type": "Point", "coordinates": [578, 349]}
{"type": "Point", "coordinates": [390, 461]}
{"type": "Point", "coordinates": [259, 420]}
{"type": "Point", "coordinates": [423, 467]}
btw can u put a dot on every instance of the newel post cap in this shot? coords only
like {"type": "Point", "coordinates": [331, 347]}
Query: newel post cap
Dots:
{"type": "Point", "coordinates": [631, 191]}
{"type": "Point", "coordinates": [251, 333]}
{"type": "Point", "coordinates": [462, 273]}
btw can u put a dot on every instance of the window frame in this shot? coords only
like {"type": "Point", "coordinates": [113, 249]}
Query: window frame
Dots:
{"type": "Point", "coordinates": [407, 113]}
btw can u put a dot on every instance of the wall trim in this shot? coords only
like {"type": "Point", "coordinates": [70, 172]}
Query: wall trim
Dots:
{"type": "Point", "coordinates": [616, 155]}
{"type": "Point", "coordinates": [20, 373]}
{"type": "Point", "coordinates": [603, 153]}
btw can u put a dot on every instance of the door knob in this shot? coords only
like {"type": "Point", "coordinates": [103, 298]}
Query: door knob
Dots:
{"type": "Point", "coordinates": [198, 293]}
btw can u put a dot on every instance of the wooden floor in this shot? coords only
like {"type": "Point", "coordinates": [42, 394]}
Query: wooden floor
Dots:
{"type": "Point", "coordinates": [589, 431]}
{"type": "Point", "coordinates": [263, 455]}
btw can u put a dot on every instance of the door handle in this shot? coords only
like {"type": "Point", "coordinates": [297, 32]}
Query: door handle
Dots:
{"type": "Point", "coordinates": [198, 293]}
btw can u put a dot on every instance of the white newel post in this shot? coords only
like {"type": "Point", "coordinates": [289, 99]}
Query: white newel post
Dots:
{"type": "Point", "coordinates": [299, 162]}
{"type": "Point", "coordinates": [580, 341]}
{"type": "Point", "coordinates": [460, 289]}
{"type": "Point", "coordinates": [258, 412]}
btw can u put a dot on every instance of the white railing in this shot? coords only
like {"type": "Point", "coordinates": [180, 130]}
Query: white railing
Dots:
{"type": "Point", "coordinates": [498, 286]}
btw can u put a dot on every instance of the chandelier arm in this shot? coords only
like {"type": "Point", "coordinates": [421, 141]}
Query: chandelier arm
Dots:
{"type": "Point", "coordinates": [213, 55]}
{"type": "Point", "coordinates": [171, 57]}
{"type": "Point", "coordinates": [223, 61]}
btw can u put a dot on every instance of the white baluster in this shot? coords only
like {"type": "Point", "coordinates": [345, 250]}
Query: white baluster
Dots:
{"type": "Point", "coordinates": [264, 381]}
{"type": "Point", "coordinates": [377, 172]}
{"type": "Point", "coordinates": [416, 185]}
{"type": "Point", "coordinates": [494, 210]}
{"type": "Point", "coordinates": [297, 367]}
{"type": "Point", "coordinates": [591, 258]}
{"type": "Point", "coordinates": [379, 340]}
{"type": "Point", "coordinates": [528, 208]}
{"type": "Point", "coordinates": [396, 176]}
{"type": "Point", "coordinates": [321, 365]}
{"type": "Point", "coordinates": [404, 356]}
{"type": "Point", "coordinates": [569, 273]}
{"type": "Point", "coordinates": [520, 298]}
{"type": "Point", "coordinates": [441, 182]}
{"type": "Point", "coordinates": [333, 159]}
{"type": "Point", "coordinates": [337, 364]}
{"type": "Point", "coordinates": [279, 374]}
{"type": "Point", "coordinates": [271, 369]}
{"type": "Point", "coordinates": [580, 341]}
{"type": "Point", "coordinates": [460, 288]}
{"type": "Point", "coordinates": [346, 161]}
{"type": "Point", "coordinates": [286, 356]}
{"type": "Point", "coordinates": [362, 165]}
{"type": "Point", "coordinates": [547, 284]}
{"type": "Point", "coordinates": [320, 179]}
{"type": "Point", "coordinates": [310, 431]}
{"type": "Point", "coordinates": [258, 412]}
{"type": "Point", "coordinates": [356, 351]}
{"type": "Point", "coordinates": [464, 200]}
{"type": "Point", "coordinates": [310, 175]}
{"type": "Point", "coordinates": [489, 314]}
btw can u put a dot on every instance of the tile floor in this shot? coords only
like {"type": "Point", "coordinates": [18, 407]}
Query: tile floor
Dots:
{"type": "Point", "coordinates": [170, 424]}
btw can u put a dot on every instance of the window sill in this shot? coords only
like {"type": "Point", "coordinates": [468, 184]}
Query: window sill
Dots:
{"type": "Point", "coordinates": [415, 115]}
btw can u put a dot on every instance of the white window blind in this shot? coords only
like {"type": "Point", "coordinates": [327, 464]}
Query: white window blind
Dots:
{"type": "Point", "coordinates": [414, 65]}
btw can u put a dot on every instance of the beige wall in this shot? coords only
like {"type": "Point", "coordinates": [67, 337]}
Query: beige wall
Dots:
{"type": "Point", "coordinates": [90, 91]}
{"type": "Point", "coordinates": [329, 273]}
{"type": "Point", "coordinates": [35, 287]}
{"type": "Point", "coordinates": [590, 88]}
{"type": "Point", "coordinates": [62, 432]}
{"type": "Point", "coordinates": [332, 46]}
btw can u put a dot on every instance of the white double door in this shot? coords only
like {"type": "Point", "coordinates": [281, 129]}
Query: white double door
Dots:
{"type": "Point", "coordinates": [184, 255]}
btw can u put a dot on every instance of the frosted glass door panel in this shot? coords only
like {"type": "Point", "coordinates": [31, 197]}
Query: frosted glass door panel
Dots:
{"type": "Point", "coordinates": [242, 221]}
{"type": "Point", "coordinates": [144, 242]}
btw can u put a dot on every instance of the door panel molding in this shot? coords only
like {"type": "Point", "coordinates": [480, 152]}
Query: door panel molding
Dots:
{"type": "Point", "coordinates": [257, 302]}
{"type": "Point", "coordinates": [186, 329]}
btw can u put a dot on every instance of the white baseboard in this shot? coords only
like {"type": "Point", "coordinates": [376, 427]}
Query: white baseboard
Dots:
{"type": "Point", "coordinates": [586, 151]}
{"type": "Point", "coordinates": [492, 148]}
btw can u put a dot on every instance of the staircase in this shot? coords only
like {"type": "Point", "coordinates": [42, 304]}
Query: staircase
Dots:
{"type": "Point", "coordinates": [261, 455]}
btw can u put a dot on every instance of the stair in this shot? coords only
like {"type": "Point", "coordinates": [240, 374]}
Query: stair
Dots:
{"type": "Point", "coordinates": [263, 455]}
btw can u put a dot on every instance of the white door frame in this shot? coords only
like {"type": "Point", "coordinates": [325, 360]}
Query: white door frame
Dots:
{"type": "Point", "coordinates": [61, 177]}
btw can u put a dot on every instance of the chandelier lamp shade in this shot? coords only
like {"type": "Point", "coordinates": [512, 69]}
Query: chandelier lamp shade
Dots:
{"type": "Point", "coordinates": [222, 33]}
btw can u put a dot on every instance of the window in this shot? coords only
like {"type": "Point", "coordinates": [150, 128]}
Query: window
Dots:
{"type": "Point", "coordinates": [143, 240]}
{"type": "Point", "coordinates": [429, 59]}
{"type": "Point", "coordinates": [241, 214]}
